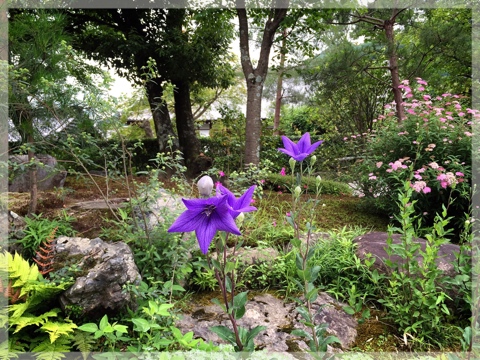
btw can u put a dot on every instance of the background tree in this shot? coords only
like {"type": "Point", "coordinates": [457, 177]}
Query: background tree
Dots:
{"type": "Point", "coordinates": [255, 76]}
{"type": "Point", "coordinates": [44, 79]}
{"type": "Point", "coordinates": [154, 46]}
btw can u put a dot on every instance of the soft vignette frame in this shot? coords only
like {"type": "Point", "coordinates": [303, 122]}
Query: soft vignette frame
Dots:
{"type": "Point", "coordinates": [473, 4]}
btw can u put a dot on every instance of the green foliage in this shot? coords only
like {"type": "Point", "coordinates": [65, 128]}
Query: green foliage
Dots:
{"type": "Point", "coordinates": [112, 333]}
{"type": "Point", "coordinates": [38, 230]}
{"type": "Point", "coordinates": [416, 297]}
{"type": "Point", "coordinates": [30, 297]}
{"type": "Point", "coordinates": [276, 182]}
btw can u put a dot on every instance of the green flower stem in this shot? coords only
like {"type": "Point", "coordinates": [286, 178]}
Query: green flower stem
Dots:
{"type": "Point", "coordinates": [222, 283]}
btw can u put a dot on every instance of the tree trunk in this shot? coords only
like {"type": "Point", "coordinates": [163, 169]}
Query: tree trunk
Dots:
{"type": "Point", "coordinates": [393, 61]}
{"type": "Point", "coordinates": [187, 135]}
{"type": "Point", "coordinates": [255, 77]}
{"type": "Point", "coordinates": [161, 116]}
{"type": "Point", "coordinates": [279, 95]}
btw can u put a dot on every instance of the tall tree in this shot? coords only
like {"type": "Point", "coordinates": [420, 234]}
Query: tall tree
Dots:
{"type": "Point", "coordinates": [255, 76]}
{"type": "Point", "coordinates": [180, 46]}
{"type": "Point", "coordinates": [42, 93]}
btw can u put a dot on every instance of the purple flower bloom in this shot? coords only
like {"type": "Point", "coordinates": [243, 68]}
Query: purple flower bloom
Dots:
{"type": "Point", "coordinates": [300, 150]}
{"type": "Point", "coordinates": [205, 217]}
{"type": "Point", "coordinates": [237, 206]}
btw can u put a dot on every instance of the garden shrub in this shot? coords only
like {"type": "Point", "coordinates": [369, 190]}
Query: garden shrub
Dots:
{"type": "Point", "coordinates": [434, 140]}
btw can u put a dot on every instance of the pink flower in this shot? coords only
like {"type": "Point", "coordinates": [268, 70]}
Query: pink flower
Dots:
{"type": "Point", "coordinates": [221, 173]}
{"type": "Point", "coordinates": [262, 181]}
{"type": "Point", "coordinates": [409, 95]}
{"type": "Point", "coordinates": [282, 172]}
{"type": "Point", "coordinates": [274, 223]}
{"type": "Point", "coordinates": [288, 214]}
{"type": "Point", "coordinates": [426, 190]}
{"type": "Point", "coordinates": [426, 97]}
{"type": "Point", "coordinates": [458, 173]}
{"type": "Point", "coordinates": [218, 183]}
{"type": "Point", "coordinates": [417, 176]}
{"type": "Point", "coordinates": [379, 164]}
{"type": "Point", "coordinates": [421, 81]}
{"type": "Point", "coordinates": [433, 165]}
{"type": "Point", "coordinates": [421, 88]}
{"type": "Point", "coordinates": [345, 138]}
{"type": "Point", "coordinates": [468, 133]}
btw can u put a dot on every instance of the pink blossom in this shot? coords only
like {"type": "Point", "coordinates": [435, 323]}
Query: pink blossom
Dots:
{"type": "Point", "coordinates": [426, 190]}
{"type": "Point", "coordinates": [426, 97]}
{"type": "Point", "coordinates": [345, 138]}
{"type": "Point", "coordinates": [409, 95]}
{"type": "Point", "coordinates": [458, 173]}
{"type": "Point", "coordinates": [421, 88]}
{"type": "Point", "coordinates": [218, 183]}
{"type": "Point", "coordinates": [417, 176]}
{"type": "Point", "coordinates": [221, 173]}
{"type": "Point", "coordinates": [461, 114]}
{"type": "Point", "coordinates": [379, 164]}
{"type": "Point", "coordinates": [468, 133]}
{"type": "Point", "coordinates": [252, 201]}
{"type": "Point", "coordinates": [262, 181]}
{"type": "Point", "coordinates": [274, 223]}
{"type": "Point", "coordinates": [418, 185]}
{"type": "Point", "coordinates": [282, 172]}
{"type": "Point", "coordinates": [433, 165]}
{"type": "Point", "coordinates": [421, 81]}
{"type": "Point", "coordinates": [411, 111]}
{"type": "Point", "coordinates": [443, 119]}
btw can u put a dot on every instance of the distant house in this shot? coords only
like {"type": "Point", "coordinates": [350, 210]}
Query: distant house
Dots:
{"type": "Point", "coordinates": [204, 127]}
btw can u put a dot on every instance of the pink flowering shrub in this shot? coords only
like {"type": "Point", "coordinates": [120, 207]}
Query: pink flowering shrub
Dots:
{"type": "Point", "coordinates": [431, 148]}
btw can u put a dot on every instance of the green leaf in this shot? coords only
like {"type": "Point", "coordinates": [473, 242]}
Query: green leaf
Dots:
{"type": "Point", "coordinates": [349, 310]}
{"type": "Point", "coordinates": [141, 325]}
{"type": "Point", "coordinates": [254, 332]}
{"type": "Point", "coordinates": [103, 322]}
{"type": "Point", "coordinates": [302, 333]}
{"type": "Point", "coordinates": [240, 300]}
{"type": "Point", "coordinates": [224, 333]}
{"type": "Point", "coordinates": [239, 312]}
{"type": "Point", "coordinates": [90, 327]}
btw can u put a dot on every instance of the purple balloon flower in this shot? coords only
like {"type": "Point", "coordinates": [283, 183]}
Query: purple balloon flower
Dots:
{"type": "Point", "coordinates": [205, 217]}
{"type": "Point", "coordinates": [237, 206]}
{"type": "Point", "coordinates": [300, 150]}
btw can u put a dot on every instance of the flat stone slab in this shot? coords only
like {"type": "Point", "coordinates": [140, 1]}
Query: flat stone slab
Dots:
{"type": "Point", "coordinates": [375, 243]}
{"type": "Point", "coordinates": [114, 203]}
{"type": "Point", "coordinates": [280, 319]}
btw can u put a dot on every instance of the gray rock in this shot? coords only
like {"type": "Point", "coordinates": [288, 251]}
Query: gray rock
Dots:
{"type": "Point", "coordinates": [49, 176]}
{"type": "Point", "coordinates": [249, 256]}
{"type": "Point", "coordinates": [280, 319]}
{"type": "Point", "coordinates": [154, 213]}
{"type": "Point", "coordinates": [105, 268]}
{"type": "Point", "coordinates": [375, 243]}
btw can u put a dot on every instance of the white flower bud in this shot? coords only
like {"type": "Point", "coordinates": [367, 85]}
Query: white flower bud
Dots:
{"type": "Point", "coordinates": [318, 180]}
{"type": "Point", "coordinates": [297, 191]}
{"type": "Point", "coordinates": [239, 219]}
{"type": "Point", "coordinates": [313, 160]}
{"type": "Point", "coordinates": [292, 163]}
{"type": "Point", "coordinates": [205, 186]}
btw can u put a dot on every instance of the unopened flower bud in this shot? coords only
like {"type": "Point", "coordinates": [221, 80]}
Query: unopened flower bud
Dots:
{"type": "Point", "coordinates": [292, 163]}
{"type": "Point", "coordinates": [205, 186]}
{"type": "Point", "coordinates": [313, 160]}
{"type": "Point", "coordinates": [297, 191]}
{"type": "Point", "coordinates": [318, 180]}
{"type": "Point", "coordinates": [239, 219]}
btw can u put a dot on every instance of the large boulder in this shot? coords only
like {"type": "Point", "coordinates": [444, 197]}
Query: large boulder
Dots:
{"type": "Point", "coordinates": [49, 176]}
{"type": "Point", "coordinates": [375, 243]}
{"type": "Point", "coordinates": [104, 269]}
{"type": "Point", "coordinates": [280, 319]}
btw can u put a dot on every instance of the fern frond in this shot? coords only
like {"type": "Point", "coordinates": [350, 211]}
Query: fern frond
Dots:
{"type": "Point", "coordinates": [84, 342]}
{"type": "Point", "coordinates": [9, 348]}
{"type": "Point", "coordinates": [56, 329]}
{"type": "Point", "coordinates": [52, 351]}
{"type": "Point", "coordinates": [20, 270]}
{"type": "Point", "coordinates": [28, 319]}
{"type": "Point", "coordinates": [45, 253]}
